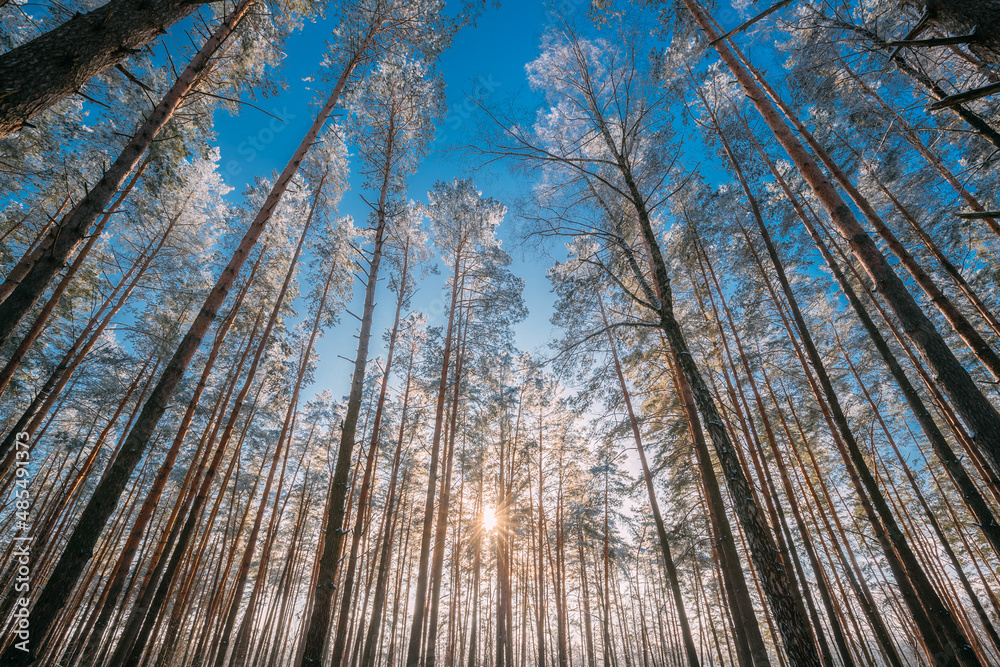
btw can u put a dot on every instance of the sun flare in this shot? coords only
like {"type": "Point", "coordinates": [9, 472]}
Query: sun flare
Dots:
{"type": "Point", "coordinates": [489, 519]}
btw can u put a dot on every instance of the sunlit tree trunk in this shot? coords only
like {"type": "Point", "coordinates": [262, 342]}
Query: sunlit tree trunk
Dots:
{"type": "Point", "coordinates": [37, 268]}
{"type": "Point", "coordinates": [417, 624]}
{"type": "Point", "coordinates": [80, 545]}
{"type": "Point", "coordinates": [969, 401]}
{"type": "Point", "coordinates": [320, 616]}
{"type": "Point", "coordinates": [286, 430]}
{"type": "Point", "coordinates": [668, 561]}
{"type": "Point", "coordinates": [114, 587]}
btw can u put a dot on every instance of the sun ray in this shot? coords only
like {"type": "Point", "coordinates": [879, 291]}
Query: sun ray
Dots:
{"type": "Point", "coordinates": [489, 518]}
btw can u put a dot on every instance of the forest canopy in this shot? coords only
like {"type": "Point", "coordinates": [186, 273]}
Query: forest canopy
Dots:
{"type": "Point", "coordinates": [426, 333]}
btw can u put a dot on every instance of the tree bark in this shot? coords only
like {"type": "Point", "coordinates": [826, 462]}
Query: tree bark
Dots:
{"type": "Point", "coordinates": [330, 542]}
{"type": "Point", "coordinates": [80, 546]}
{"type": "Point", "coordinates": [52, 66]}
{"type": "Point", "coordinates": [669, 567]}
{"type": "Point", "coordinates": [956, 381]}
{"type": "Point", "coordinates": [40, 266]}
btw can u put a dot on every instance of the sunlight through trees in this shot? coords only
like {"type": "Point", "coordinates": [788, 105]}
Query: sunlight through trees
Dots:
{"type": "Point", "coordinates": [405, 333]}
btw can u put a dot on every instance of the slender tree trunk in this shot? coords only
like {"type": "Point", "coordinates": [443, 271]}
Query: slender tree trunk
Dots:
{"type": "Point", "coordinates": [417, 625]}
{"type": "Point", "coordinates": [285, 435]}
{"type": "Point", "coordinates": [476, 573]}
{"type": "Point", "coordinates": [988, 626]}
{"type": "Point", "coordinates": [80, 546]}
{"type": "Point", "coordinates": [114, 586]}
{"type": "Point", "coordinates": [187, 495]}
{"type": "Point", "coordinates": [750, 643]}
{"type": "Point", "coordinates": [440, 533]}
{"type": "Point", "coordinates": [772, 441]}
{"type": "Point", "coordinates": [668, 562]}
{"type": "Point", "coordinates": [392, 505]}
{"type": "Point", "coordinates": [795, 631]}
{"type": "Point", "coordinates": [145, 617]}
{"type": "Point", "coordinates": [609, 651]}
{"type": "Point", "coordinates": [347, 583]}
{"type": "Point", "coordinates": [587, 618]}
{"type": "Point", "coordinates": [843, 545]}
{"type": "Point", "coordinates": [145, 614]}
{"type": "Point", "coordinates": [939, 631]}
{"type": "Point", "coordinates": [957, 383]}
{"type": "Point", "coordinates": [330, 543]}
{"type": "Point", "coordinates": [48, 259]}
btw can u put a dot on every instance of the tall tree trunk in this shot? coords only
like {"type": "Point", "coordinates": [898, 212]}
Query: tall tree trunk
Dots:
{"type": "Point", "coordinates": [285, 436]}
{"type": "Point", "coordinates": [50, 67]}
{"type": "Point", "coordinates": [587, 619]}
{"type": "Point", "coordinates": [750, 643]}
{"type": "Point", "coordinates": [608, 645]}
{"type": "Point", "coordinates": [347, 583]}
{"type": "Point", "coordinates": [330, 542]}
{"type": "Point", "coordinates": [988, 626]}
{"type": "Point", "coordinates": [80, 545]}
{"type": "Point", "coordinates": [668, 561]}
{"type": "Point", "coordinates": [48, 259]}
{"type": "Point", "coordinates": [116, 582]}
{"type": "Point", "coordinates": [969, 401]}
{"type": "Point", "coordinates": [779, 589]}
{"type": "Point", "coordinates": [441, 529]}
{"type": "Point", "coordinates": [773, 444]}
{"type": "Point", "coordinates": [476, 573]}
{"type": "Point", "coordinates": [417, 625]}
{"type": "Point", "coordinates": [187, 494]}
{"type": "Point", "coordinates": [939, 631]}
{"type": "Point", "coordinates": [392, 505]}
{"type": "Point", "coordinates": [542, 540]}
{"type": "Point", "coordinates": [145, 615]}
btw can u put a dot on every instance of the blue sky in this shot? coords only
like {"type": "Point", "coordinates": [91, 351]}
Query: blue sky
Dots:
{"type": "Point", "coordinates": [486, 59]}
